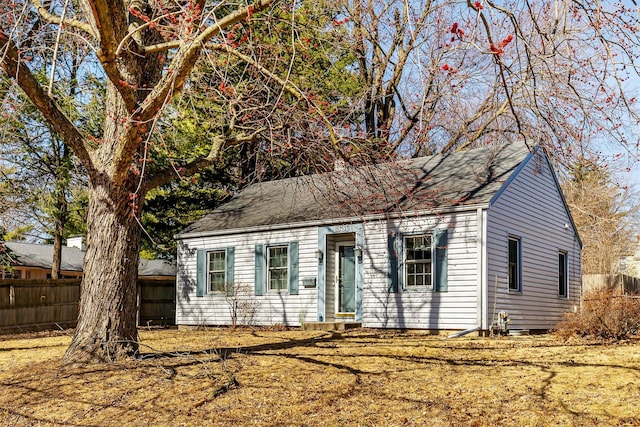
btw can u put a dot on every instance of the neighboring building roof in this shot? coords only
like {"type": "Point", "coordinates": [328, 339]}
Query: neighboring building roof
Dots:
{"type": "Point", "coordinates": [156, 267]}
{"type": "Point", "coordinates": [41, 256]}
{"type": "Point", "coordinates": [34, 255]}
{"type": "Point", "coordinates": [470, 177]}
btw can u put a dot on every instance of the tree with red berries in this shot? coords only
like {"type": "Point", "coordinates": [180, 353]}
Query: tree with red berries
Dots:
{"type": "Point", "coordinates": [442, 75]}
{"type": "Point", "coordinates": [432, 75]}
{"type": "Point", "coordinates": [144, 52]}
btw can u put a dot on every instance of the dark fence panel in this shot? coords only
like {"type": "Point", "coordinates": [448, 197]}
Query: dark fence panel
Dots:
{"type": "Point", "coordinates": [27, 305]}
{"type": "Point", "coordinates": [156, 302]}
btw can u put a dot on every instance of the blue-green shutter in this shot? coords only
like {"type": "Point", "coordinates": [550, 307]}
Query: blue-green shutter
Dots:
{"type": "Point", "coordinates": [201, 268]}
{"type": "Point", "coordinates": [293, 268]}
{"type": "Point", "coordinates": [229, 259]}
{"type": "Point", "coordinates": [259, 270]}
{"type": "Point", "coordinates": [441, 260]}
{"type": "Point", "coordinates": [392, 273]}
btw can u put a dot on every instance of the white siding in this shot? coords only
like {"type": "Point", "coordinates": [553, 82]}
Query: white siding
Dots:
{"type": "Point", "coordinates": [532, 209]}
{"type": "Point", "coordinates": [272, 307]}
{"type": "Point", "coordinates": [454, 309]}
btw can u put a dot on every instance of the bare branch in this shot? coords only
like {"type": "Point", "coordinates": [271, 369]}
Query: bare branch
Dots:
{"type": "Point", "coordinates": [109, 22]}
{"type": "Point", "coordinates": [186, 57]}
{"type": "Point", "coordinates": [165, 176]}
{"type": "Point", "coordinates": [29, 84]}
{"type": "Point", "coordinates": [54, 19]}
{"type": "Point", "coordinates": [286, 84]}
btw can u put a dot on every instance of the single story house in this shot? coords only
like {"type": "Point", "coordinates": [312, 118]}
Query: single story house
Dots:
{"type": "Point", "coordinates": [444, 242]}
{"type": "Point", "coordinates": [34, 261]}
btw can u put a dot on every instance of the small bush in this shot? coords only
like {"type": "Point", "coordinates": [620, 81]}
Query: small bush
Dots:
{"type": "Point", "coordinates": [243, 305]}
{"type": "Point", "coordinates": [606, 314]}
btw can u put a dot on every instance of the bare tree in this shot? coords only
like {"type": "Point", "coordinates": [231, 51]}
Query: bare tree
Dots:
{"type": "Point", "coordinates": [604, 215]}
{"type": "Point", "coordinates": [442, 75]}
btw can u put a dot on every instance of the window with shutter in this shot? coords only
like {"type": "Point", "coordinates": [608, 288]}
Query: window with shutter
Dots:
{"type": "Point", "coordinates": [276, 268]}
{"type": "Point", "coordinates": [214, 271]}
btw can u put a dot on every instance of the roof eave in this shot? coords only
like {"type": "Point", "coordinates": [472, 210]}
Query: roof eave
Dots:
{"type": "Point", "coordinates": [321, 222]}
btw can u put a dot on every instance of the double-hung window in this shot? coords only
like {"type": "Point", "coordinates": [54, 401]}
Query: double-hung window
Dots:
{"type": "Point", "coordinates": [515, 263]}
{"type": "Point", "coordinates": [217, 267]}
{"type": "Point", "coordinates": [214, 271]}
{"type": "Point", "coordinates": [418, 259]}
{"type": "Point", "coordinates": [277, 268]}
{"type": "Point", "coordinates": [562, 274]}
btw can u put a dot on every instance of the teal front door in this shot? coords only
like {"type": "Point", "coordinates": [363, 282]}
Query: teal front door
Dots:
{"type": "Point", "coordinates": [346, 292]}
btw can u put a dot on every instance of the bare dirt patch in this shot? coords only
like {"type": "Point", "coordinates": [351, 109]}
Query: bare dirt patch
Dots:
{"type": "Point", "coordinates": [360, 377]}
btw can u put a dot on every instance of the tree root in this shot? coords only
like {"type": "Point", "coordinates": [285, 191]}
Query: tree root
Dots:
{"type": "Point", "coordinates": [231, 384]}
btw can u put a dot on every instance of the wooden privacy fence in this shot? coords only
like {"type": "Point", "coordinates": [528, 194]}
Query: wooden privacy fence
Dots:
{"type": "Point", "coordinates": [27, 305]}
{"type": "Point", "coordinates": [627, 284]}
{"type": "Point", "coordinates": [156, 302]}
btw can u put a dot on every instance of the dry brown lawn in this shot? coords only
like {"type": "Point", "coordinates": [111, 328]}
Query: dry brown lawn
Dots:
{"type": "Point", "coordinates": [360, 378]}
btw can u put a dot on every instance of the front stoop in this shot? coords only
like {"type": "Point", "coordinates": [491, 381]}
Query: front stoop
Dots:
{"type": "Point", "coordinates": [331, 326]}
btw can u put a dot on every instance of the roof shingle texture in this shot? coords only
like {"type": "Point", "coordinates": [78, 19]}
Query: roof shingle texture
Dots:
{"type": "Point", "coordinates": [428, 183]}
{"type": "Point", "coordinates": [35, 255]}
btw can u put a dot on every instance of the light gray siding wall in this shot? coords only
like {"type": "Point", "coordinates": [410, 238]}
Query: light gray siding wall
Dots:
{"type": "Point", "coordinates": [272, 307]}
{"type": "Point", "coordinates": [532, 209]}
{"type": "Point", "coordinates": [454, 309]}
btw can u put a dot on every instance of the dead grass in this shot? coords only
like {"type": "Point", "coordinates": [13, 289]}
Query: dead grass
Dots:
{"type": "Point", "coordinates": [361, 377]}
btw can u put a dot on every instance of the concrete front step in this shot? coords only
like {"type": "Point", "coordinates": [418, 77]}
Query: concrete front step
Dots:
{"type": "Point", "coordinates": [331, 326]}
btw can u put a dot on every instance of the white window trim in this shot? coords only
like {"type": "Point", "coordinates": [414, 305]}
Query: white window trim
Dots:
{"type": "Point", "coordinates": [268, 268]}
{"type": "Point", "coordinates": [208, 272]}
{"type": "Point", "coordinates": [405, 263]}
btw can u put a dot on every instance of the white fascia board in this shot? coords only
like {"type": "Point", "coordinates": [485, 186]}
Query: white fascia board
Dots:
{"type": "Point", "coordinates": [329, 221]}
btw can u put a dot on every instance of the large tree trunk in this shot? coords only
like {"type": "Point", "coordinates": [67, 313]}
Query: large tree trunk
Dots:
{"type": "Point", "coordinates": [106, 327]}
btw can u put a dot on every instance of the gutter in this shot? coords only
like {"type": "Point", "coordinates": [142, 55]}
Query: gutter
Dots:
{"type": "Point", "coordinates": [329, 221]}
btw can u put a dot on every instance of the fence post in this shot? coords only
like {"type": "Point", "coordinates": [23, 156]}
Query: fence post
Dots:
{"type": "Point", "coordinates": [12, 295]}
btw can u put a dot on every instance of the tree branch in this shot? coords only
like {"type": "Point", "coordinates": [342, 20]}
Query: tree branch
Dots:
{"type": "Point", "coordinates": [286, 84]}
{"type": "Point", "coordinates": [219, 142]}
{"type": "Point", "coordinates": [54, 19]}
{"type": "Point", "coordinates": [12, 65]}
{"type": "Point", "coordinates": [188, 52]}
{"type": "Point", "coordinates": [109, 23]}
{"type": "Point", "coordinates": [174, 79]}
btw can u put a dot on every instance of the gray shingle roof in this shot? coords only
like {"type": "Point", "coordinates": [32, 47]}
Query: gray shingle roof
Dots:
{"type": "Point", "coordinates": [35, 255]}
{"type": "Point", "coordinates": [470, 177]}
{"type": "Point", "coordinates": [156, 267]}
